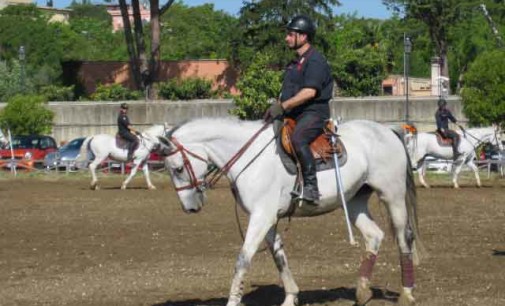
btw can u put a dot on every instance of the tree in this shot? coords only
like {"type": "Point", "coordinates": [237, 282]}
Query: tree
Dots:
{"type": "Point", "coordinates": [258, 84]}
{"type": "Point", "coordinates": [144, 70]}
{"type": "Point", "coordinates": [26, 115]}
{"type": "Point", "coordinates": [358, 56]}
{"type": "Point", "coordinates": [483, 92]}
{"type": "Point", "coordinates": [262, 24]}
{"type": "Point", "coordinates": [438, 15]}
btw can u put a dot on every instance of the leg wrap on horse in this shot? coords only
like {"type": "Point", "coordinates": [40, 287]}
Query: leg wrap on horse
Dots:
{"type": "Point", "coordinates": [367, 265]}
{"type": "Point", "coordinates": [407, 267]}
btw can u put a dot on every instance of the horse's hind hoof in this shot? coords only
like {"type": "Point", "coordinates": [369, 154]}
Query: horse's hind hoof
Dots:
{"type": "Point", "coordinates": [363, 292]}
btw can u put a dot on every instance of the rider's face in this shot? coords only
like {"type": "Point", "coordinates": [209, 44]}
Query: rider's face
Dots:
{"type": "Point", "coordinates": [295, 40]}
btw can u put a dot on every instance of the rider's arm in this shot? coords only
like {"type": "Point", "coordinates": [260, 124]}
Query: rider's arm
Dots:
{"type": "Point", "coordinates": [451, 117]}
{"type": "Point", "coordinates": [304, 95]}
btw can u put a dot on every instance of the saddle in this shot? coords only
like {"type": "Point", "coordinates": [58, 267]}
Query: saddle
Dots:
{"type": "Point", "coordinates": [443, 141]}
{"type": "Point", "coordinates": [124, 143]}
{"type": "Point", "coordinates": [321, 147]}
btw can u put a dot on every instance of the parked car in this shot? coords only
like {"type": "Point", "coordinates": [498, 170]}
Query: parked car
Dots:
{"type": "Point", "coordinates": [65, 156]}
{"type": "Point", "coordinates": [27, 151]}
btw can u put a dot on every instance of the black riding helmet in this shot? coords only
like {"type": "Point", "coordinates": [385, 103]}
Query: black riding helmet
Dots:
{"type": "Point", "coordinates": [124, 106]}
{"type": "Point", "coordinates": [442, 102]}
{"type": "Point", "coordinates": [302, 24]}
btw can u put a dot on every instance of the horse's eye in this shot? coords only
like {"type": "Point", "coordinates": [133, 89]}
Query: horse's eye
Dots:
{"type": "Point", "coordinates": [179, 170]}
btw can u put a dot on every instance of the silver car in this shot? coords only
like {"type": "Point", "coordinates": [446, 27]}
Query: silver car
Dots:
{"type": "Point", "coordinates": [65, 156]}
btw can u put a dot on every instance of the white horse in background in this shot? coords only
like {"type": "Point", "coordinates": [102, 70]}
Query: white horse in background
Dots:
{"type": "Point", "coordinates": [421, 145]}
{"type": "Point", "coordinates": [376, 161]}
{"type": "Point", "coordinates": [104, 146]}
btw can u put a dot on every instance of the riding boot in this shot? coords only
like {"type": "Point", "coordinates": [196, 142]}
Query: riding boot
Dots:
{"type": "Point", "coordinates": [131, 144]}
{"type": "Point", "coordinates": [455, 145]}
{"type": "Point", "coordinates": [310, 190]}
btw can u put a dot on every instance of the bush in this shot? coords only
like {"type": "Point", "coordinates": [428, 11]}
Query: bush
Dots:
{"type": "Point", "coordinates": [483, 93]}
{"type": "Point", "coordinates": [26, 115]}
{"type": "Point", "coordinates": [115, 92]}
{"type": "Point", "coordinates": [188, 89]}
{"type": "Point", "coordinates": [58, 93]}
{"type": "Point", "coordinates": [257, 85]}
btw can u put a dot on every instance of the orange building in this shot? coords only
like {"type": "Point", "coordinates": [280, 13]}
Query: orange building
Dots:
{"type": "Point", "coordinates": [220, 72]}
{"type": "Point", "coordinates": [117, 18]}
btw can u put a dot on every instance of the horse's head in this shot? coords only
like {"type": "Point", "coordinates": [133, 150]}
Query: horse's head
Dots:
{"type": "Point", "coordinates": [188, 167]}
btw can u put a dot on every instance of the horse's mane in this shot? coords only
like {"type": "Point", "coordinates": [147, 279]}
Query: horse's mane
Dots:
{"type": "Point", "coordinates": [205, 128]}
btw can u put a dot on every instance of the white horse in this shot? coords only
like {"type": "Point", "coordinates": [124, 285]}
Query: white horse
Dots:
{"type": "Point", "coordinates": [104, 146]}
{"type": "Point", "coordinates": [376, 161]}
{"type": "Point", "coordinates": [421, 145]}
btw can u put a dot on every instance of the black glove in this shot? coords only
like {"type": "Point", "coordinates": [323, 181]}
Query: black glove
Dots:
{"type": "Point", "coordinates": [274, 111]}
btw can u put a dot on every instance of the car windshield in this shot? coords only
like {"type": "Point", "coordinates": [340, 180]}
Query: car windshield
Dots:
{"type": "Point", "coordinates": [24, 143]}
{"type": "Point", "coordinates": [73, 145]}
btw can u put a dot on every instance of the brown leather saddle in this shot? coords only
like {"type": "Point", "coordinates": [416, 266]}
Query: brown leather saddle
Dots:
{"type": "Point", "coordinates": [123, 143]}
{"type": "Point", "coordinates": [443, 141]}
{"type": "Point", "coordinates": [321, 147]}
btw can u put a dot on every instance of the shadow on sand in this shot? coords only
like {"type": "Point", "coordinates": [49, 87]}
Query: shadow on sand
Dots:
{"type": "Point", "coordinates": [273, 295]}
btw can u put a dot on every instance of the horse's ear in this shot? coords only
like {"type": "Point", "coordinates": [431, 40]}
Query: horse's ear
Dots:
{"type": "Point", "coordinates": [166, 145]}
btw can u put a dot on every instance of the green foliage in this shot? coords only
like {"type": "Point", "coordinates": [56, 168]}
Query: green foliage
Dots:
{"type": "Point", "coordinates": [27, 114]}
{"type": "Point", "coordinates": [483, 93]}
{"type": "Point", "coordinates": [359, 56]}
{"type": "Point", "coordinates": [262, 28]}
{"type": "Point", "coordinates": [58, 93]}
{"type": "Point", "coordinates": [11, 80]}
{"type": "Point", "coordinates": [115, 92]}
{"type": "Point", "coordinates": [257, 85]}
{"type": "Point", "coordinates": [187, 89]}
{"type": "Point", "coordinates": [196, 32]}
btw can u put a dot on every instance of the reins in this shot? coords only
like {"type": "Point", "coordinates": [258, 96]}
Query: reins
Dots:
{"type": "Point", "coordinates": [214, 178]}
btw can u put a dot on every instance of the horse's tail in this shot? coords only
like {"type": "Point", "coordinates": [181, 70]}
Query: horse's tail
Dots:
{"type": "Point", "coordinates": [418, 249]}
{"type": "Point", "coordinates": [82, 159]}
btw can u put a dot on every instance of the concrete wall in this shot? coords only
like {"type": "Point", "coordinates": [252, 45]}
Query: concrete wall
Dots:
{"type": "Point", "coordinates": [75, 119]}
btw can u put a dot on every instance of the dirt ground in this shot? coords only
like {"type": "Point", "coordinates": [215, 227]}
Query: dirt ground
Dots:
{"type": "Point", "coordinates": [63, 244]}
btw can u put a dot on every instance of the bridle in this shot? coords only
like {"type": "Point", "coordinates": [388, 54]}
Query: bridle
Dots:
{"type": "Point", "coordinates": [479, 140]}
{"type": "Point", "coordinates": [211, 176]}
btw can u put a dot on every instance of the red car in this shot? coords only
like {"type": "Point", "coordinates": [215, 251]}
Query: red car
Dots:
{"type": "Point", "coordinates": [27, 152]}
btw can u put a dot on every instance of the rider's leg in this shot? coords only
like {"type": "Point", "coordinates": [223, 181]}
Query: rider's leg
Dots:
{"type": "Point", "coordinates": [308, 127]}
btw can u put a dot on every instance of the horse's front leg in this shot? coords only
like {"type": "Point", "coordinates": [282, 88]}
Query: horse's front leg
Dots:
{"type": "Point", "coordinates": [145, 168]}
{"type": "Point", "coordinates": [133, 171]}
{"type": "Point", "coordinates": [92, 168]}
{"type": "Point", "coordinates": [259, 225]}
{"type": "Point", "coordinates": [475, 169]}
{"type": "Point", "coordinates": [276, 247]}
{"type": "Point", "coordinates": [456, 169]}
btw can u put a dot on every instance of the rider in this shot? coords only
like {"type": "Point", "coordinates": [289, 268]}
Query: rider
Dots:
{"type": "Point", "coordinates": [306, 91]}
{"type": "Point", "coordinates": [125, 130]}
{"type": "Point", "coordinates": [442, 116]}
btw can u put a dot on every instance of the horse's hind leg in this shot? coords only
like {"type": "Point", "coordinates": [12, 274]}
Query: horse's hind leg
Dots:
{"type": "Point", "coordinates": [275, 245]}
{"type": "Point", "coordinates": [397, 208]}
{"type": "Point", "coordinates": [373, 235]}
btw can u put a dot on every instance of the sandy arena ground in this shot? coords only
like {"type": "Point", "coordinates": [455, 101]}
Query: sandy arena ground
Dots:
{"type": "Point", "coordinates": [63, 244]}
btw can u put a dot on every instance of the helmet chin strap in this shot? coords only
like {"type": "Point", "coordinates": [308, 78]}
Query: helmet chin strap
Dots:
{"type": "Point", "coordinates": [297, 45]}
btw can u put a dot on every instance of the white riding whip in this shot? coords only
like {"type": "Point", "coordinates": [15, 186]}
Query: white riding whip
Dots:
{"type": "Point", "coordinates": [340, 189]}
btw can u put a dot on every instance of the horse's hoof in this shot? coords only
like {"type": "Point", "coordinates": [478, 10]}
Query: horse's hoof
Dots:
{"type": "Point", "coordinates": [363, 292]}
{"type": "Point", "coordinates": [152, 187]}
{"type": "Point", "coordinates": [406, 298]}
{"type": "Point", "coordinates": [290, 300]}
{"type": "Point", "coordinates": [123, 187]}
{"type": "Point", "coordinates": [94, 187]}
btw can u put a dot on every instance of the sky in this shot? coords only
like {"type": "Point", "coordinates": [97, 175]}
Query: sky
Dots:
{"type": "Point", "coordinates": [363, 8]}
